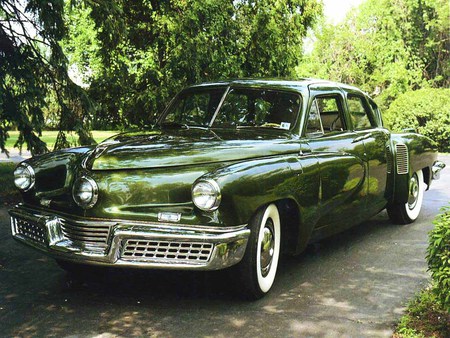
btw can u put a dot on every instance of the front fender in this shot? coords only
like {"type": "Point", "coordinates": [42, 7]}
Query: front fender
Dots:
{"type": "Point", "coordinates": [246, 186]}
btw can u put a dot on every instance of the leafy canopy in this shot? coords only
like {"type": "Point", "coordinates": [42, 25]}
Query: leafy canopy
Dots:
{"type": "Point", "coordinates": [385, 47]}
{"type": "Point", "coordinates": [132, 56]}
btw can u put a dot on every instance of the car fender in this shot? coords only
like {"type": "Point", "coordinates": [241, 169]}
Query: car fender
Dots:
{"type": "Point", "coordinates": [410, 152]}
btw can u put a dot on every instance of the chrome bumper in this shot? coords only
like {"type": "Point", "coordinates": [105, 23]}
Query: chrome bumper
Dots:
{"type": "Point", "coordinates": [128, 243]}
{"type": "Point", "coordinates": [436, 169]}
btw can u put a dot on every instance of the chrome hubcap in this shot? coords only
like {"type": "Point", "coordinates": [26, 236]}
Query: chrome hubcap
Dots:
{"type": "Point", "coordinates": [267, 248]}
{"type": "Point", "coordinates": [413, 192]}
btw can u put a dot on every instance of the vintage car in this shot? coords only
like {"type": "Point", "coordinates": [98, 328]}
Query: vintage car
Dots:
{"type": "Point", "coordinates": [233, 174]}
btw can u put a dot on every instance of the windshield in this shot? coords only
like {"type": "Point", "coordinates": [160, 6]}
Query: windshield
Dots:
{"type": "Point", "coordinates": [242, 107]}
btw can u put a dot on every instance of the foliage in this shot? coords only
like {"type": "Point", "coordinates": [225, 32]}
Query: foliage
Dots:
{"type": "Point", "coordinates": [168, 45]}
{"type": "Point", "coordinates": [8, 192]}
{"type": "Point", "coordinates": [132, 56]}
{"type": "Point", "coordinates": [424, 317]}
{"type": "Point", "coordinates": [385, 47]}
{"type": "Point", "coordinates": [426, 110]}
{"type": "Point", "coordinates": [438, 256]}
{"type": "Point", "coordinates": [33, 66]}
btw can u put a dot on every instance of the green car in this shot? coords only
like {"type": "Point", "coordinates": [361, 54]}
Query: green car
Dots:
{"type": "Point", "coordinates": [233, 174]}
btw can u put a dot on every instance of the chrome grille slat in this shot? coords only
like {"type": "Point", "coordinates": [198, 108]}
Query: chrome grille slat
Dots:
{"type": "Point", "coordinates": [84, 238]}
{"type": "Point", "coordinates": [95, 236]}
{"type": "Point", "coordinates": [176, 252]}
{"type": "Point", "coordinates": [84, 226]}
{"type": "Point", "coordinates": [402, 159]}
{"type": "Point", "coordinates": [82, 231]}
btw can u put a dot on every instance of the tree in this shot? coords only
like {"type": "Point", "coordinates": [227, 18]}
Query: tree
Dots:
{"type": "Point", "coordinates": [132, 56]}
{"type": "Point", "coordinates": [32, 65]}
{"type": "Point", "coordinates": [385, 47]}
{"type": "Point", "coordinates": [169, 45]}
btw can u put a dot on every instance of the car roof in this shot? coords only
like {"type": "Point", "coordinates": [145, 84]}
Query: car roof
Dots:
{"type": "Point", "coordinates": [277, 83]}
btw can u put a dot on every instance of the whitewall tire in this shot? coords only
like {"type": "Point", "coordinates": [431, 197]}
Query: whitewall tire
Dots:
{"type": "Point", "coordinates": [258, 268]}
{"type": "Point", "coordinates": [409, 211]}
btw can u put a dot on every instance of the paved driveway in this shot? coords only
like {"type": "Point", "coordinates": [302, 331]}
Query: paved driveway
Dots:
{"type": "Point", "coordinates": [353, 284]}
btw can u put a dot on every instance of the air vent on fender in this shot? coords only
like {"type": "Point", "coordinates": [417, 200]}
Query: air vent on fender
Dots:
{"type": "Point", "coordinates": [402, 159]}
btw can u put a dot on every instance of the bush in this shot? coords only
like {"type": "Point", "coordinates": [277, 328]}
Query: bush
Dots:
{"type": "Point", "coordinates": [426, 110]}
{"type": "Point", "coordinates": [438, 257]}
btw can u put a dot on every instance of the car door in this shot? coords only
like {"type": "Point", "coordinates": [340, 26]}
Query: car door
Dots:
{"type": "Point", "coordinates": [369, 130]}
{"type": "Point", "coordinates": [340, 154]}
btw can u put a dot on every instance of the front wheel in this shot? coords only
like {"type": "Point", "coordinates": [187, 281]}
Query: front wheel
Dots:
{"type": "Point", "coordinates": [409, 211]}
{"type": "Point", "coordinates": [257, 270]}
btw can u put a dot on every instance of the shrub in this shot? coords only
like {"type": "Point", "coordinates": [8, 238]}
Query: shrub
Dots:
{"type": "Point", "coordinates": [426, 110]}
{"type": "Point", "coordinates": [438, 257]}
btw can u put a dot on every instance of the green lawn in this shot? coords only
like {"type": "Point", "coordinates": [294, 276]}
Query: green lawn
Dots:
{"type": "Point", "coordinates": [49, 137]}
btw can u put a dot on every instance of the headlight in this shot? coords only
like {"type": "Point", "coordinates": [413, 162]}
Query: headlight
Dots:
{"type": "Point", "coordinates": [85, 192]}
{"type": "Point", "coordinates": [24, 177]}
{"type": "Point", "coordinates": [206, 195]}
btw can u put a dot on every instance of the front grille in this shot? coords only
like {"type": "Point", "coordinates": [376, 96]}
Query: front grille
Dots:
{"type": "Point", "coordinates": [29, 230]}
{"type": "Point", "coordinates": [402, 158]}
{"type": "Point", "coordinates": [93, 236]}
{"type": "Point", "coordinates": [165, 251]}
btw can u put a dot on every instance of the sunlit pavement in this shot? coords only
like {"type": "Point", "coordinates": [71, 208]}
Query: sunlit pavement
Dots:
{"type": "Point", "coordinates": [354, 284]}
{"type": "Point", "coordinates": [14, 156]}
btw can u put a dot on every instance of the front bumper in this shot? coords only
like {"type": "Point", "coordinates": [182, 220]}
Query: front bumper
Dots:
{"type": "Point", "coordinates": [128, 243]}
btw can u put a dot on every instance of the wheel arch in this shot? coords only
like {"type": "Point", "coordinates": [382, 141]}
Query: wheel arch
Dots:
{"type": "Point", "coordinates": [290, 224]}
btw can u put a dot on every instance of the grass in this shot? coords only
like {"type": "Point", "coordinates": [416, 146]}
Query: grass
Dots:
{"type": "Point", "coordinates": [424, 318]}
{"type": "Point", "coordinates": [8, 192]}
{"type": "Point", "coordinates": [49, 137]}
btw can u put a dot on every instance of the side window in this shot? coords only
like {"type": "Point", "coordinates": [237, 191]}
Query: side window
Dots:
{"type": "Point", "coordinates": [314, 126]}
{"type": "Point", "coordinates": [377, 112]}
{"type": "Point", "coordinates": [359, 113]}
{"type": "Point", "coordinates": [325, 115]}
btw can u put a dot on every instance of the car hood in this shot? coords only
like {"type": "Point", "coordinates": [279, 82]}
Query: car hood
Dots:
{"type": "Point", "coordinates": [187, 147]}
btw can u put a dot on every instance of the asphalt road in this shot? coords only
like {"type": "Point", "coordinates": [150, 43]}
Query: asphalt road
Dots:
{"type": "Point", "coordinates": [353, 284]}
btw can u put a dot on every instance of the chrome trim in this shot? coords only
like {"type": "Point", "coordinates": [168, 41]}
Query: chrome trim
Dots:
{"type": "Point", "coordinates": [219, 106]}
{"type": "Point", "coordinates": [161, 226]}
{"type": "Point", "coordinates": [436, 169]}
{"type": "Point", "coordinates": [32, 176]}
{"type": "Point", "coordinates": [228, 246]}
{"type": "Point", "coordinates": [402, 158]}
{"type": "Point", "coordinates": [94, 191]}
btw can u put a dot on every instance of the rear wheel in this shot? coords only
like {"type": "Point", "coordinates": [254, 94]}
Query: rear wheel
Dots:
{"type": "Point", "coordinates": [257, 270]}
{"type": "Point", "coordinates": [409, 211]}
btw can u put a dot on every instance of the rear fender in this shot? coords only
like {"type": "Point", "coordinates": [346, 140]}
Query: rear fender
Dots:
{"type": "Point", "coordinates": [411, 152]}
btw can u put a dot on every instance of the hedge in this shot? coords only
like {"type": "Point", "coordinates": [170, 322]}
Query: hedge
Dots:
{"type": "Point", "coordinates": [438, 257]}
{"type": "Point", "coordinates": [425, 110]}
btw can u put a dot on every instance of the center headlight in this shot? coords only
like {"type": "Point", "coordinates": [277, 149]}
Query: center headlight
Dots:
{"type": "Point", "coordinates": [24, 177]}
{"type": "Point", "coordinates": [206, 195]}
{"type": "Point", "coordinates": [85, 192]}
